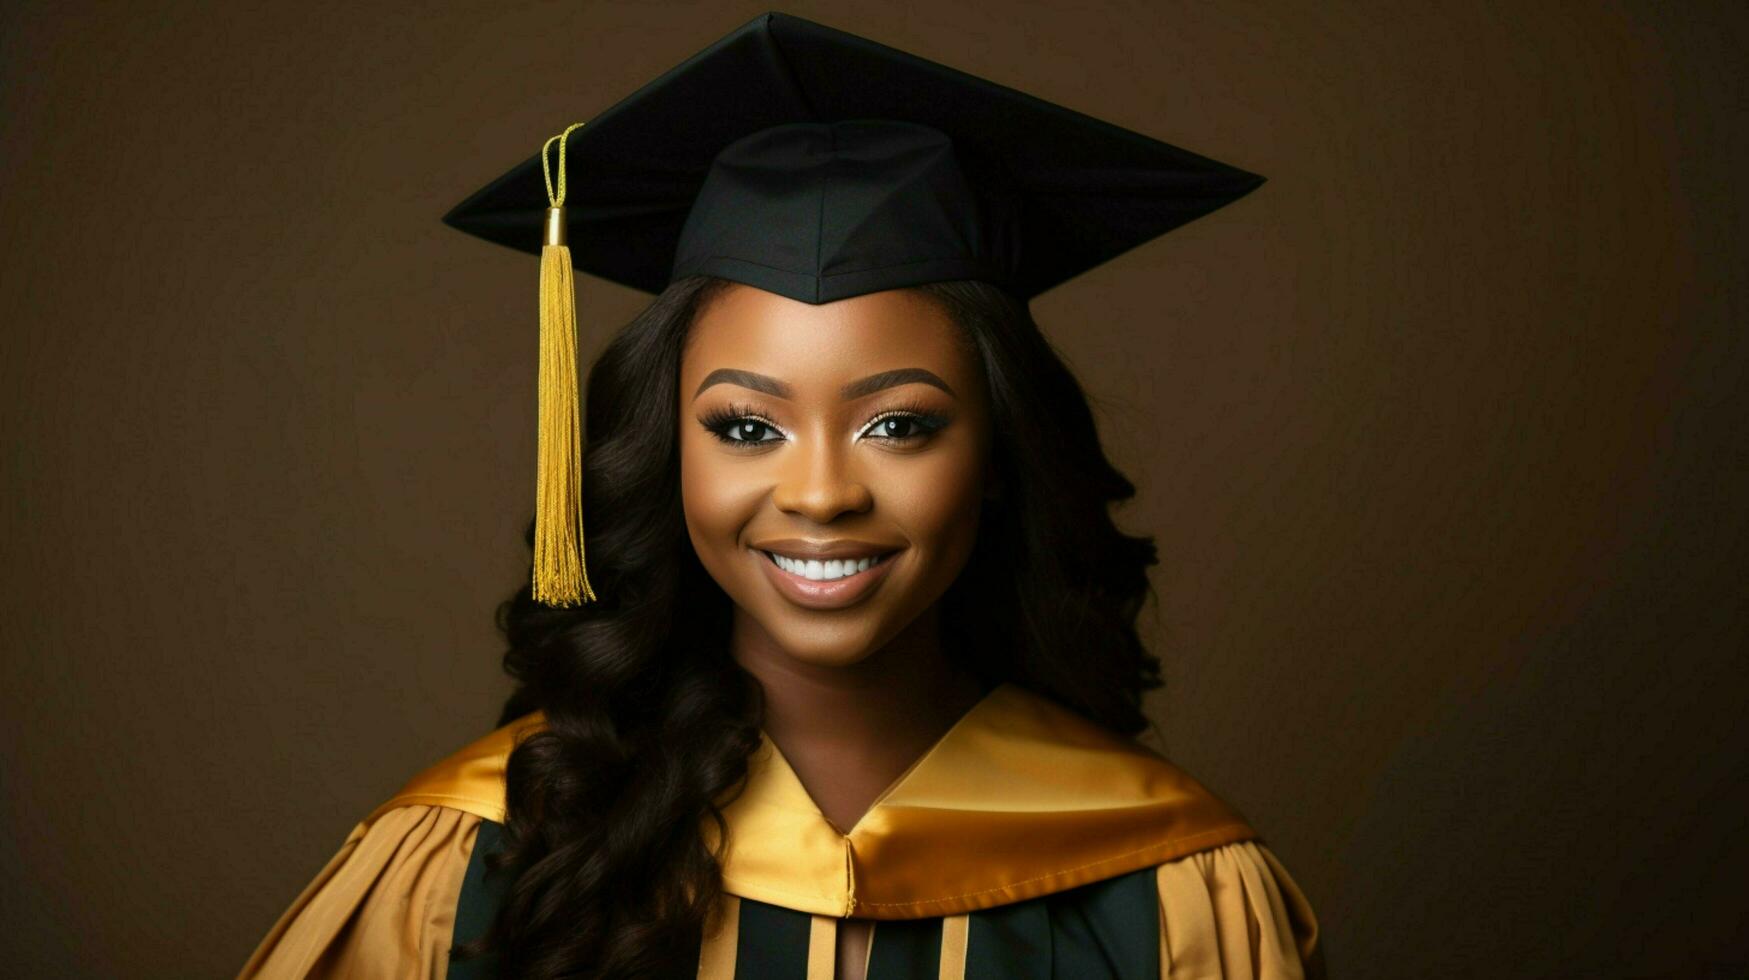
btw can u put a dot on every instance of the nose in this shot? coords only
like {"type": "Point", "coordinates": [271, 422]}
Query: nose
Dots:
{"type": "Point", "coordinates": [818, 482]}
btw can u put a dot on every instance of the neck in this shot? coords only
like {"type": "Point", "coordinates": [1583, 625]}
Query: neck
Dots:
{"type": "Point", "coordinates": [850, 731]}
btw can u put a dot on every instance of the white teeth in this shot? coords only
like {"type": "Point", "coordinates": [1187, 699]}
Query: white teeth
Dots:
{"type": "Point", "coordinates": [823, 571]}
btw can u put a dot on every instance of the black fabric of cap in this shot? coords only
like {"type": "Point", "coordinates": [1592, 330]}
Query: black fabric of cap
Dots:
{"type": "Point", "coordinates": [820, 165]}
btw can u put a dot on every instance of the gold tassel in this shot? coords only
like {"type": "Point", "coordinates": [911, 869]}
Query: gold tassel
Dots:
{"type": "Point", "coordinates": [560, 577]}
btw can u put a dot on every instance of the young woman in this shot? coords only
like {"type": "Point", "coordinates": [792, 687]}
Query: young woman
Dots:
{"type": "Point", "coordinates": [850, 686]}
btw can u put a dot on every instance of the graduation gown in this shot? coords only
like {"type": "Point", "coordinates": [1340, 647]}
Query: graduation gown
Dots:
{"type": "Point", "coordinates": [1027, 842]}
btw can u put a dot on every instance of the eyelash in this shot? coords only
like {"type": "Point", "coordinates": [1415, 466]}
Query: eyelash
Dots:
{"type": "Point", "coordinates": [721, 420]}
{"type": "Point", "coordinates": [925, 420]}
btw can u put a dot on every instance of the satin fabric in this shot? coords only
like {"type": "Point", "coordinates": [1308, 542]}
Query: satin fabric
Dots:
{"type": "Point", "coordinates": [1019, 798]}
{"type": "Point", "coordinates": [1020, 807]}
{"type": "Point", "coordinates": [383, 906]}
{"type": "Point", "coordinates": [1231, 911]}
{"type": "Point", "coordinates": [1205, 895]}
{"type": "Point", "coordinates": [391, 902]}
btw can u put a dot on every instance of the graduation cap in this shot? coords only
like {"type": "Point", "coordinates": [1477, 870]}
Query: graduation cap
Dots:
{"type": "Point", "coordinates": [818, 165]}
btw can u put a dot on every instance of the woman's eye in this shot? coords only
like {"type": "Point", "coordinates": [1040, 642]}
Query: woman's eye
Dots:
{"type": "Point", "coordinates": [744, 430]}
{"type": "Point", "coordinates": [902, 426]}
{"type": "Point", "coordinates": [896, 427]}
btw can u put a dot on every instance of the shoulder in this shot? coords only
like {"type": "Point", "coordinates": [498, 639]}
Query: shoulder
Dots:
{"type": "Point", "coordinates": [1225, 904]}
{"type": "Point", "coordinates": [1234, 910]}
{"type": "Point", "coordinates": [470, 779]}
{"type": "Point", "coordinates": [389, 900]}
{"type": "Point", "coordinates": [1058, 755]}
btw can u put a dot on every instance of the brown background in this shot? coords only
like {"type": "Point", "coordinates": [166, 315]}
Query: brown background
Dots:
{"type": "Point", "coordinates": [1438, 432]}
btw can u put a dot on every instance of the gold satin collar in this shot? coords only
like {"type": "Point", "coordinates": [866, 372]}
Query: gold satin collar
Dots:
{"type": "Point", "coordinates": [1020, 798]}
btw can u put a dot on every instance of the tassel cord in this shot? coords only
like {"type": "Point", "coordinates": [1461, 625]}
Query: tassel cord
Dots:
{"type": "Point", "coordinates": [560, 576]}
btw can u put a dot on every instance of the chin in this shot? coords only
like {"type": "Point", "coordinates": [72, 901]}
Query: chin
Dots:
{"type": "Point", "coordinates": [825, 647]}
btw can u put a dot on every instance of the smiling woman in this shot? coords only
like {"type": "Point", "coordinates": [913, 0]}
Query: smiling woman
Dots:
{"type": "Point", "coordinates": [801, 458]}
{"type": "Point", "coordinates": [854, 690]}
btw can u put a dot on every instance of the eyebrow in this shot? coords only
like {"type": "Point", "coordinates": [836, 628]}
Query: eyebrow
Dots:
{"type": "Point", "coordinates": [889, 379]}
{"type": "Point", "coordinates": [860, 388]}
{"type": "Point", "coordinates": [746, 379]}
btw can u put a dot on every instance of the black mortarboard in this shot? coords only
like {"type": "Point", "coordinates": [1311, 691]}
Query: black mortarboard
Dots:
{"type": "Point", "coordinates": [818, 165]}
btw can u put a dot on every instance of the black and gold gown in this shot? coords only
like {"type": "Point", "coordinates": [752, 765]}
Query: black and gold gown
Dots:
{"type": "Point", "coordinates": [1026, 843]}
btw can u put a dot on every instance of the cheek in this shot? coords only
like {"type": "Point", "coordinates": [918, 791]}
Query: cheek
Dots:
{"type": "Point", "coordinates": [710, 498]}
{"type": "Point", "coordinates": [937, 504]}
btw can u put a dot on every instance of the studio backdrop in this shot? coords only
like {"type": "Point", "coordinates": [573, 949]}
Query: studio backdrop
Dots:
{"type": "Point", "coordinates": [1438, 433]}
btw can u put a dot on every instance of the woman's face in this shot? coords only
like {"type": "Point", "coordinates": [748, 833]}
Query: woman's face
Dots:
{"type": "Point", "coordinates": [848, 439]}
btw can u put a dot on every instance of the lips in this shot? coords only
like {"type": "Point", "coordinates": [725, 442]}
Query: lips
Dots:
{"type": "Point", "coordinates": [824, 593]}
{"type": "Point", "coordinates": [828, 570]}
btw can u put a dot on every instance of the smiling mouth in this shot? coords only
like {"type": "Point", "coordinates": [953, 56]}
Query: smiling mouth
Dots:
{"type": "Point", "coordinates": [829, 570]}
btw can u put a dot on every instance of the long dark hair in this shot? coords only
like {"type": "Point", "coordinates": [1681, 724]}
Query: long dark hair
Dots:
{"type": "Point", "coordinates": [650, 722]}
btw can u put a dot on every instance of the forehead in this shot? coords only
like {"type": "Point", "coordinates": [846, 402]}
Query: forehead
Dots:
{"type": "Point", "coordinates": [821, 345]}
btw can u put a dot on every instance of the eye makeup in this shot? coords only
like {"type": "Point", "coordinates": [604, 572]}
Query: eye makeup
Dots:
{"type": "Point", "coordinates": [925, 419]}
{"type": "Point", "coordinates": [723, 422]}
